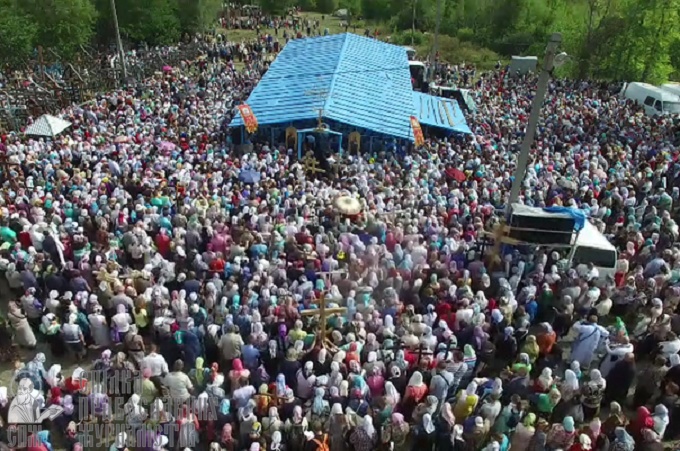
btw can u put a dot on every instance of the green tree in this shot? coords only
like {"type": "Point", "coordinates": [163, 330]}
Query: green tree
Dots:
{"type": "Point", "coordinates": [155, 22]}
{"type": "Point", "coordinates": [306, 5]}
{"type": "Point", "coordinates": [378, 10]}
{"type": "Point", "coordinates": [276, 6]}
{"type": "Point", "coordinates": [326, 6]}
{"type": "Point", "coordinates": [63, 25]}
{"type": "Point", "coordinates": [18, 33]}
{"type": "Point", "coordinates": [198, 15]}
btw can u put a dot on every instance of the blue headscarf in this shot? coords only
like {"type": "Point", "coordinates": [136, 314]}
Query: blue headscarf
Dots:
{"type": "Point", "coordinates": [280, 385]}
{"type": "Point", "coordinates": [225, 407]}
{"type": "Point", "coordinates": [319, 404]}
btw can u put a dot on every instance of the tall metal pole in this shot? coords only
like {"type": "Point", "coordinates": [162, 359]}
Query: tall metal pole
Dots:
{"type": "Point", "coordinates": [121, 53]}
{"type": "Point", "coordinates": [435, 48]}
{"type": "Point", "coordinates": [413, 22]}
{"type": "Point", "coordinates": [536, 105]}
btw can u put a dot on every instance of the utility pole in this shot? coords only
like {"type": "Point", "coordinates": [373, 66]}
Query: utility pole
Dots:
{"type": "Point", "coordinates": [118, 41]}
{"type": "Point", "coordinates": [413, 22]}
{"type": "Point", "coordinates": [536, 105]}
{"type": "Point", "coordinates": [435, 48]}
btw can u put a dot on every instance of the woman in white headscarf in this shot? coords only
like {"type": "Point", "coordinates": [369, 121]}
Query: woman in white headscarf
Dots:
{"type": "Point", "coordinates": [73, 336]}
{"type": "Point", "coordinates": [545, 381]}
{"type": "Point", "coordinates": [392, 396]}
{"type": "Point", "coordinates": [101, 333]}
{"type": "Point", "coordinates": [466, 402]}
{"type": "Point", "coordinates": [373, 363]}
{"type": "Point", "coordinates": [424, 437]}
{"type": "Point", "coordinates": [364, 437]}
{"type": "Point", "coordinates": [661, 419]}
{"type": "Point", "coordinates": [592, 392]}
{"type": "Point", "coordinates": [295, 428]}
{"type": "Point", "coordinates": [271, 423]}
{"type": "Point", "coordinates": [415, 393]}
{"type": "Point", "coordinates": [569, 386]}
{"type": "Point", "coordinates": [135, 414]}
{"type": "Point", "coordinates": [387, 329]}
{"type": "Point", "coordinates": [337, 428]}
{"type": "Point", "coordinates": [319, 410]}
{"type": "Point", "coordinates": [276, 440]}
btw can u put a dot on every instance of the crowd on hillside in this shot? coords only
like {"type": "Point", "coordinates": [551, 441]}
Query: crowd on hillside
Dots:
{"type": "Point", "coordinates": [135, 232]}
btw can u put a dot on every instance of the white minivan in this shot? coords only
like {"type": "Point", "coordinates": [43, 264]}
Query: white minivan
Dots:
{"type": "Point", "coordinates": [672, 87]}
{"type": "Point", "coordinates": [654, 100]}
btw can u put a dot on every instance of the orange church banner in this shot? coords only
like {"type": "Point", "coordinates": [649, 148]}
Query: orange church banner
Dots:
{"type": "Point", "coordinates": [417, 132]}
{"type": "Point", "coordinates": [249, 119]}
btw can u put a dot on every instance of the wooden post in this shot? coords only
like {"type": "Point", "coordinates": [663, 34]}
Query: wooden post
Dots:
{"type": "Point", "coordinates": [41, 63]}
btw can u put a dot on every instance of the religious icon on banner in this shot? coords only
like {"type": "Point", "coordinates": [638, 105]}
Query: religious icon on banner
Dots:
{"type": "Point", "coordinates": [249, 119]}
{"type": "Point", "coordinates": [417, 132]}
{"type": "Point", "coordinates": [354, 143]}
{"type": "Point", "coordinates": [291, 138]}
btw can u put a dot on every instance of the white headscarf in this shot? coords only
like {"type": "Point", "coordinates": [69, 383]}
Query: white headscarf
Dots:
{"type": "Point", "coordinates": [674, 360]}
{"type": "Point", "coordinates": [367, 426]}
{"type": "Point", "coordinates": [471, 389]}
{"type": "Point", "coordinates": [570, 380]}
{"type": "Point", "coordinates": [546, 377]}
{"type": "Point", "coordinates": [416, 379]}
{"type": "Point", "coordinates": [4, 398]}
{"type": "Point", "coordinates": [661, 419]}
{"type": "Point", "coordinates": [276, 441]}
{"type": "Point", "coordinates": [596, 378]}
{"type": "Point", "coordinates": [391, 391]}
{"type": "Point", "coordinates": [428, 425]}
{"type": "Point", "coordinates": [52, 375]}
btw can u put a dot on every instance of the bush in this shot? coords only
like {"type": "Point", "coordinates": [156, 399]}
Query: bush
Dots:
{"type": "Point", "coordinates": [454, 51]}
{"type": "Point", "coordinates": [406, 38]}
{"type": "Point", "coordinates": [306, 5]}
{"type": "Point", "coordinates": [466, 35]}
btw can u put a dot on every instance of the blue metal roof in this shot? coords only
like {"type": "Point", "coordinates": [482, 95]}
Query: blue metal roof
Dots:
{"type": "Point", "coordinates": [439, 112]}
{"type": "Point", "coordinates": [358, 81]}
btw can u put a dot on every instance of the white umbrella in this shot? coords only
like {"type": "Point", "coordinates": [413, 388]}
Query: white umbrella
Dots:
{"type": "Point", "coordinates": [347, 205]}
{"type": "Point", "coordinates": [47, 125]}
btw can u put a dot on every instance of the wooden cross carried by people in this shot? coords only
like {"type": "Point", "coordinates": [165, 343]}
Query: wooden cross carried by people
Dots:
{"type": "Point", "coordinates": [323, 313]}
{"type": "Point", "coordinates": [311, 164]}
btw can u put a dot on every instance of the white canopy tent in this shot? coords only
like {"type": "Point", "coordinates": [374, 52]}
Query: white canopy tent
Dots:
{"type": "Point", "coordinates": [47, 125]}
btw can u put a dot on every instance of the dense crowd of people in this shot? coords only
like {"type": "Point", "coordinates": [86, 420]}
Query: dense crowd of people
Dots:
{"type": "Point", "coordinates": [133, 232]}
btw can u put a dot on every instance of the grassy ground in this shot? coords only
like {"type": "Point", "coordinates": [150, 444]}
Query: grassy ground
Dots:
{"type": "Point", "coordinates": [450, 49]}
{"type": "Point", "coordinates": [326, 21]}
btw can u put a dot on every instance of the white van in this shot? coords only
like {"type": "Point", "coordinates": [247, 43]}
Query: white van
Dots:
{"type": "Point", "coordinates": [673, 88]}
{"type": "Point", "coordinates": [593, 247]}
{"type": "Point", "coordinates": [655, 100]}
